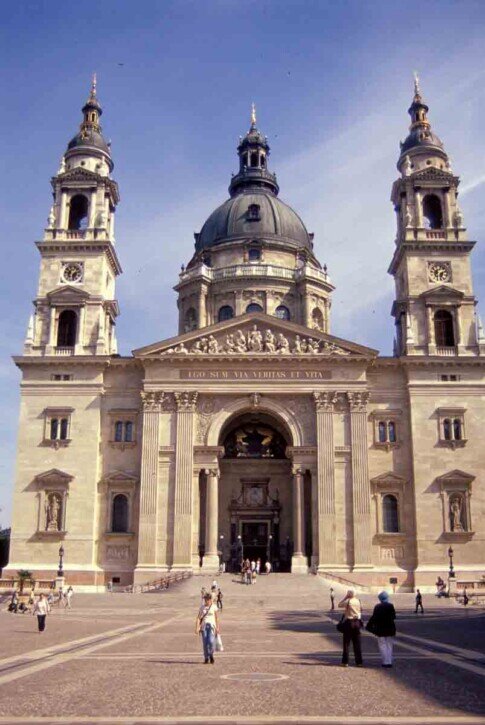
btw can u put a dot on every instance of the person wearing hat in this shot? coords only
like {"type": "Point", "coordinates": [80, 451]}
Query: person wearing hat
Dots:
{"type": "Point", "coordinates": [382, 624]}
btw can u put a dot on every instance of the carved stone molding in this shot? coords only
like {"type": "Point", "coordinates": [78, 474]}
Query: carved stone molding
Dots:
{"type": "Point", "coordinates": [215, 472]}
{"type": "Point", "coordinates": [255, 399]}
{"type": "Point", "coordinates": [186, 401]}
{"type": "Point", "coordinates": [358, 400]}
{"type": "Point", "coordinates": [325, 401]}
{"type": "Point", "coordinates": [151, 401]}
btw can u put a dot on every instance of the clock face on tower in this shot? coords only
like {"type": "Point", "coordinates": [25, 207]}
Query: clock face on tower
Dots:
{"type": "Point", "coordinates": [72, 272]}
{"type": "Point", "coordinates": [439, 272]}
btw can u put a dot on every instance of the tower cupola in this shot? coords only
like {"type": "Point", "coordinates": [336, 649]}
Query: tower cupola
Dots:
{"type": "Point", "coordinates": [421, 139]}
{"type": "Point", "coordinates": [89, 141]}
{"type": "Point", "coordinates": [253, 151]}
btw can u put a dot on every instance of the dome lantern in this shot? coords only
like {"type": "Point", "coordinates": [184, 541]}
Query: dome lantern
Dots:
{"type": "Point", "coordinates": [253, 151]}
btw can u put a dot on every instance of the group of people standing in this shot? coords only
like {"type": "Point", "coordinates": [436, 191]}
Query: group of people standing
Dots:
{"type": "Point", "coordinates": [41, 606]}
{"type": "Point", "coordinates": [381, 624]}
{"type": "Point", "coordinates": [250, 570]}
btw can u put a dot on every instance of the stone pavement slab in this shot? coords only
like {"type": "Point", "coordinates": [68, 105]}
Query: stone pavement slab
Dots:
{"type": "Point", "coordinates": [281, 662]}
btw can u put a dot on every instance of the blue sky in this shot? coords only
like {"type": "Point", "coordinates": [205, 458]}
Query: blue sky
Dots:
{"type": "Point", "coordinates": [332, 82]}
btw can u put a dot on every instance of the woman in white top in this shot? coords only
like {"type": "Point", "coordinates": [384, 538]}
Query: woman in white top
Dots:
{"type": "Point", "coordinates": [207, 624]}
{"type": "Point", "coordinates": [41, 609]}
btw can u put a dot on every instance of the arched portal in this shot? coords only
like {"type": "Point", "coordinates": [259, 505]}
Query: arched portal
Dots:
{"type": "Point", "coordinates": [264, 506]}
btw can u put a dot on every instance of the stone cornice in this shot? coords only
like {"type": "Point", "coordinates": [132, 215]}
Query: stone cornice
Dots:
{"type": "Point", "coordinates": [425, 247]}
{"type": "Point", "coordinates": [82, 246]}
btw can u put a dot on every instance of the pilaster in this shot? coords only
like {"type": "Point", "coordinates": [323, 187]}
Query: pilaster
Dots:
{"type": "Point", "coordinates": [147, 533]}
{"type": "Point", "coordinates": [211, 557]}
{"type": "Point", "coordinates": [324, 403]}
{"type": "Point", "coordinates": [184, 464]}
{"type": "Point", "coordinates": [361, 494]}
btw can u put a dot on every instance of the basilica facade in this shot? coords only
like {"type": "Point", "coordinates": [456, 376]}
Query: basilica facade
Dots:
{"type": "Point", "coordinates": [255, 431]}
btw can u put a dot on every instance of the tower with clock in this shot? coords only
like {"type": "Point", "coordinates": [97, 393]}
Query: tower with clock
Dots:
{"type": "Point", "coordinates": [75, 307]}
{"type": "Point", "coordinates": [434, 309]}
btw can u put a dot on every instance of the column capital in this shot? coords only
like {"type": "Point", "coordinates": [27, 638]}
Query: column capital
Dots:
{"type": "Point", "coordinates": [152, 400]}
{"type": "Point", "coordinates": [186, 401]}
{"type": "Point", "coordinates": [325, 400]}
{"type": "Point", "coordinates": [298, 470]}
{"type": "Point", "coordinates": [358, 400]}
{"type": "Point", "coordinates": [214, 472]}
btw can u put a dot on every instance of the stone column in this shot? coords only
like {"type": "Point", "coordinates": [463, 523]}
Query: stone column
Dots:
{"type": "Point", "coordinates": [195, 518]}
{"type": "Point", "coordinates": [448, 221]}
{"type": "Point", "coordinates": [418, 206]}
{"type": "Point", "coordinates": [201, 308]}
{"type": "Point", "coordinates": [184, 464]}
{"type": "Point", "coordinates": [431, 335]}
{"type": "Point", "coordinates": [147, 566]}
{"type": "Point", "coordinates": [299, 562]}
{"type": "Point", "coordinates": [52, 332]}
{"type": "Point", "coordinates": [63, 221]}
{"type": "Point", "coordinates": [361, 495]}
{"type": "Point", "coordinates": [80, 331]}
{"type": "Point", "coordinates": [327, 550]}
{"type": "Point", "coordinates": [211, 558]}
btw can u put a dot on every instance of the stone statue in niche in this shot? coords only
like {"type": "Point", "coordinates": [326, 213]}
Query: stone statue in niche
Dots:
{"type": "Point", "coordinates": [406, 167]}
{"type": "Point", "coordinates": [53, 512]}
{"type": "Point", "coordinates": [456, 511]}
{"type": "Point", "coordinates": [230, 344]}
{"type": "Point", "coordinates": [407, 218]}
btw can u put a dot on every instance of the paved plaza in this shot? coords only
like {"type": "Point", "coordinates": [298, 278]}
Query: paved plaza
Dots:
{"type": "Point", "coordinates": [124, 658]}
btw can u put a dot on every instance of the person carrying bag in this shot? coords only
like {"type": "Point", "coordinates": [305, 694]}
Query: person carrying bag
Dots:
{"type": "Point", "coordinates": [207, 625]}
{"type": "Point", "coordinates": [350, 626]}
{"type": "Point", "coordinates": [382, 624]}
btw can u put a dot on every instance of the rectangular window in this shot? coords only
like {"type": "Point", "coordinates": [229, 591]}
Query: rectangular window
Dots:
{"type": "Point", "coordinates": [123, 427]}
{"type": "Point", "coordinates": [386, 428]}
{"type": "Point", "coordinates": [57, 426]}
{"type": "Point", "coordinates": [451, 427]}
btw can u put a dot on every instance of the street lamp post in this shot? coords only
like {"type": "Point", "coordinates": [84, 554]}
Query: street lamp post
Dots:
{"type": "Point", "coordinates": [451, 573]}
{"type": "Point", "coordinates": [60, 571]}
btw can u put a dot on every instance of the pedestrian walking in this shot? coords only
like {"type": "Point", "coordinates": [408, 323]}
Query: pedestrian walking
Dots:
{"type": "Point", "coordinates": [465, 597]}
{"type": "Point", "coordinates": [41, 609]}
{"type": "Point", "coordinates": [207, 625]}
{"type": "Point", "coordinates": [419, 602]}
{"type": "Point", "coordinates": [382, 624]}
{"type": "Point", "coordinates": [69, 594]}
{"type": "Point", "coordinates": [203, 592]}
{"type": "Point", "coordinates": [219, 599]}
{"type": "Point", "coordinates": [267, 567]}
{"type": "Point", "coordinates": [258, 566]}
{"type": "Point", "coordinates": [350, 626]}
{"type": "Point", "coordinates": [332, 599]}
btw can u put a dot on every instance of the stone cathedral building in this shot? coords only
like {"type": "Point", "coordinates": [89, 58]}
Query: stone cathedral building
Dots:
{"type": "Point", "coordinates": [255, 430]}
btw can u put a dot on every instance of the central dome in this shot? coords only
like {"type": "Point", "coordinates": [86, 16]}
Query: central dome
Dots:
{"type": "Point", "coordinates": [253, 213]}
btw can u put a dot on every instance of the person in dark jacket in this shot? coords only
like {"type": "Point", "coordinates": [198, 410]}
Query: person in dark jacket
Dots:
{"type": "Point", "coordinates": [382, 624]}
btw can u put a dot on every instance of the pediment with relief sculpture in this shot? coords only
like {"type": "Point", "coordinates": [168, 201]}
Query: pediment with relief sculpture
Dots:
{"type": "Point", "coordinates": [255, 334]}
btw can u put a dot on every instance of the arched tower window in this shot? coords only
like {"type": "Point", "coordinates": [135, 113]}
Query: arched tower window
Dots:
{"type": "Point", "coordinates": [66, 329]}
{"type": "Point", "coordinates": [119, 521]}
{"type": "Point", "coordinates": [190, 320]}
{"type": "Point", "coordinates": [78, 212]}
{"type": "Point", "coordinates": [390, 518]}
{"type": "Point", "coordinates": [225, 313]}
{"type": "Point", "coordinates": [282, 312]}
{"type": "Point", "coordinates": [443, 329]}
{"type": "Point", "coordinates": [317, 319]}
{"type": "Point", "coordinates": [254, 307]}
{"type": "Point", "coordinates": [432, 213]}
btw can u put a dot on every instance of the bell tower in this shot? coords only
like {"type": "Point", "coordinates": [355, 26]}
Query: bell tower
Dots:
{"type": "Point", "coordinates": [434, 309]}
{"type": "Point", "coordinates": [75, 308]}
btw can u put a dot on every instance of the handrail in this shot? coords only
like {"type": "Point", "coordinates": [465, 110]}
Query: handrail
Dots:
{"type": "Point", "coordinates": [159, 584]}
{"type": "Point", "coordinates": [342, 580]}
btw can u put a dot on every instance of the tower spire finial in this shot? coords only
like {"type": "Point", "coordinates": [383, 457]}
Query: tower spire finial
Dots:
{"type": "Point", "coordinates": [417, 89]}
{"type": "Point", "coordinates": [253, 115]}
{"type": "Point", "coordinates": [93, 85]}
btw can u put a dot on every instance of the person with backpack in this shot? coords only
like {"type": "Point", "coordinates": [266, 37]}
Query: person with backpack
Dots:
{"type": "Point", "coordinates": [207, 625]}
{"type": "Point", "coordinates": [382, 624]}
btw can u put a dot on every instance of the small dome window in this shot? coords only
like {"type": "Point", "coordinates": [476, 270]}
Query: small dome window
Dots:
{"type": "Point", "coordinates": [282, 312]}
{"type": "Point", "coordinates": [254, 254]}
{"type": "Point", "coordinates": [254, 307]}
{"type": "Point", "coordinates": [254, 213]}
{"type": "Point", "coordinates": [225, 313]}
